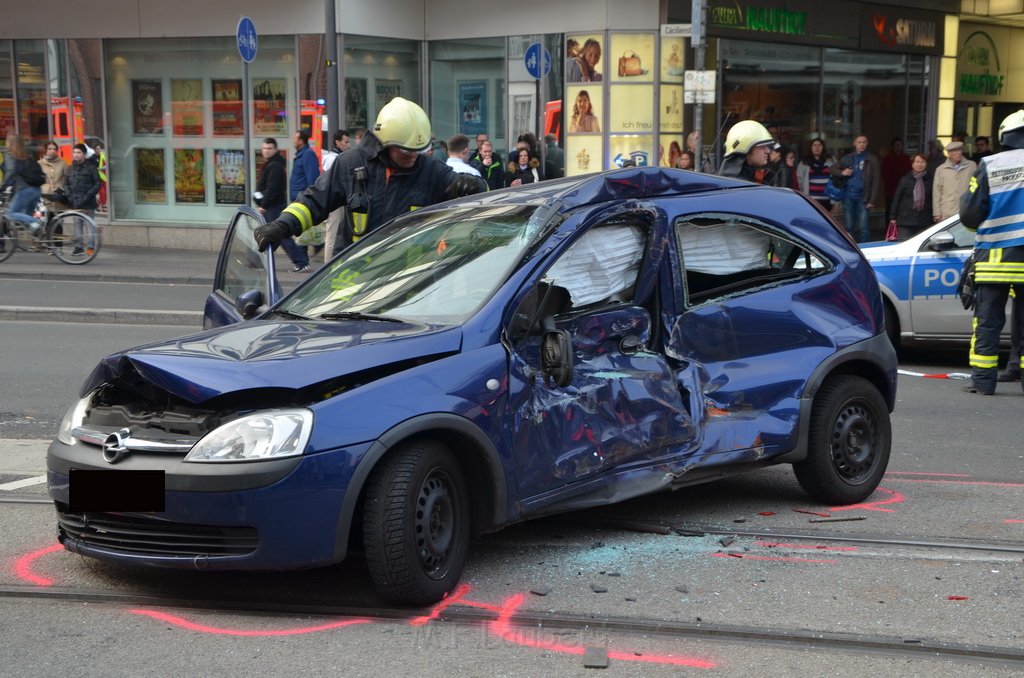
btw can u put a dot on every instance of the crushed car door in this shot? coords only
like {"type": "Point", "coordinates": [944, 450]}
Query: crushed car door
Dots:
{"type": "Point", "coordinates": [245, 282]}
{"type": "Point", "coordinates": [590, 391]}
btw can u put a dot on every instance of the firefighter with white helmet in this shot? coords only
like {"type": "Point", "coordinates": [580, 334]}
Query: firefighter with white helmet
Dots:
{"type": "Point", "coordinates": [384, 176]}
{"type": "Point", "coordinates": [746, 154]}
{"type": "Point", "coordinates": [993, 206]}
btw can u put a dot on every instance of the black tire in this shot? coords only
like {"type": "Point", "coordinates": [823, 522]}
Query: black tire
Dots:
{"type": "Point", "coordinates": [73, 238]}
{"type": "Point", "coordinates": [8, 240]}
{"type": "Point", "coordinates": [892, 325]}
{"type": "Point", "coordinates": [416, 523]}
{"type": "Point", "coordinates": [849, 442]}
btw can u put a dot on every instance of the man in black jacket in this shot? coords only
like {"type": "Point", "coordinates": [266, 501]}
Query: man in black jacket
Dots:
{"type": "Point", "coordinates": [385, 176]}
{"type": "Point", "coordinates": [272, 187]}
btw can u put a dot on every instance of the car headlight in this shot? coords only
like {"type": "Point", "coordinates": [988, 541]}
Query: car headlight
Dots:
{"type": "Point", "coordinates": [268, 435]}
{"type": "Point", "coordinates": [72, 419]}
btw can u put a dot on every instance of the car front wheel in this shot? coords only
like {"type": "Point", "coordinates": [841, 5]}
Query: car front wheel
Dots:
{"type": "Point", "coordinates": [849, 443]}
{"type": "Point", "coordinates": [416, 523]}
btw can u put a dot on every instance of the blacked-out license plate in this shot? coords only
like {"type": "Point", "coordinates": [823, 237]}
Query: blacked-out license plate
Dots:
{"type": "Point", "coordinates": [91, 491]}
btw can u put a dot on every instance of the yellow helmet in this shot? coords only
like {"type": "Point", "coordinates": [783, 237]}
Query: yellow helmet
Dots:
{"type": "Point", "coordinates": [1014, 122]}
{"type": "Point", "coordinates": [744, 135]}
{"type": "Point", "coordinates": [403, 124]}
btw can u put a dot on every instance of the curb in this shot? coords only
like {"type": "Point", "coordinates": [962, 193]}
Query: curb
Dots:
{"type": "Point", "coordinates": [109, 316]}
{"type": "Point", "coordinates": [206, 280]}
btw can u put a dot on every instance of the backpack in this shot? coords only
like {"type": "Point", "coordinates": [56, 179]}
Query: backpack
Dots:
{"type": "Point", "coordinates": [32, 173]}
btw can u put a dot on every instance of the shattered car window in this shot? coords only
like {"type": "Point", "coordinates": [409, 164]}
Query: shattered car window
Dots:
{"type": "Point", "coordinates": [437, 268]}
{"type": "Point", "coordinates": [602, 265]}
{"type": "Point", "coordinates": [725, 254]}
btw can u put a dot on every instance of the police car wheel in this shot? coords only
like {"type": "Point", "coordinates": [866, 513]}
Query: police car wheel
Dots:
{"type": "Point", "coordinates": [416, 523]}
{"type": "Point", "coordinates": [849, 442]}
{"type": "Point", "coordinates": [892, 325]}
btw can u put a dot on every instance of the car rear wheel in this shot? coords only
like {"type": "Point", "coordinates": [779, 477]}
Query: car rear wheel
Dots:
{"type": "Point", "coordinates": [849, 442]}
{"type": "Point", "coordinates": [416, 523]}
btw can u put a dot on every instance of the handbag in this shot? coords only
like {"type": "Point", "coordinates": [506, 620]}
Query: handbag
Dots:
{"type": "Point", "coordinates": [835, 189]}
{"type": "Point", "coordinates": [629, 64]}
{"type": "Point", "coordinates": [892, 232]}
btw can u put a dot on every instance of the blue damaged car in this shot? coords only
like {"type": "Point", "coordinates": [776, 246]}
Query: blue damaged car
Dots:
{"type": "Point", "coordinates": [570, 344]}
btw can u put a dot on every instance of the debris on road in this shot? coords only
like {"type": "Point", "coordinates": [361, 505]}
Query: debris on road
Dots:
{"type": "Point", "coordinates": [812, 513]}
{"type": "Point", "coordinates": [541, 590]}
{"type": "Point", "coordinates": [836, 520]}
{"type": "Point", "coordinates": [595, 658]}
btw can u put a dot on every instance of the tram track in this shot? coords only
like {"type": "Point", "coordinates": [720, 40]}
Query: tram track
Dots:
{"type": "Point", "coordinates": [553, 621]}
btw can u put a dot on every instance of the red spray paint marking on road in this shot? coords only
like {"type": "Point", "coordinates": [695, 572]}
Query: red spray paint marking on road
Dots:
{"type": "Point", "coordinates": [820, 547]}
{"type": "Point", "coordinates": [502, 627]}
{"type": "Point", "coordinates": [957, 598]}
{"type": "Point", "coordinates": [896, 498]}
{"type": "Point", "coordinates": [1012, 521]}
{"type": "Point", "coordinates": [217, 631]}
{"type": "Point", "coordinates": [456, 596]}
{"type": "Point", "coordinates": [23, 566]}
{"type": "Point", "coordinates": [749, 556]}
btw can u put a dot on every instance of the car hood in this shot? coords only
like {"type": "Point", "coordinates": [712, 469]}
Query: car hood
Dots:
{"type": "Point", "coordinates": [263, 354]}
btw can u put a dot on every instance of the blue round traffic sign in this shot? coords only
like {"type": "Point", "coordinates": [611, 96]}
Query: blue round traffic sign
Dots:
{"type": "Point", "coordinates": [538, 60]}
{"type": "Point", "coordinates": [246, 37]}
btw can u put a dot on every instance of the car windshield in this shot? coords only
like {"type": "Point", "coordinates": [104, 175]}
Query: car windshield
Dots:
{"type": "Point", "coordinates": [438, 267]}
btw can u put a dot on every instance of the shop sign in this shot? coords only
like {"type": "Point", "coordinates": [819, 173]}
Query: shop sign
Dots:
{"type": "Point", "coordinates": [885, 28]}
{"type": "Point", "coordinates": [796, 21]}
{"type": "Point", "coordinates": [982, 63]}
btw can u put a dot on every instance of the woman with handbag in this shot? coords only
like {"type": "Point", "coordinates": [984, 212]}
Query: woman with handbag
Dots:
{"type": "Point", "coordinates": [911, 208]}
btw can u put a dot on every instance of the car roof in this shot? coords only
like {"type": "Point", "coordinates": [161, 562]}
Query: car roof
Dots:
{"type": "Point", "coordinates": [620, 184]}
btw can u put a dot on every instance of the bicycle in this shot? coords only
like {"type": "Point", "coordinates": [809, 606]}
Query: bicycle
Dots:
{"type": "Point", "coordinates": [69, 235]}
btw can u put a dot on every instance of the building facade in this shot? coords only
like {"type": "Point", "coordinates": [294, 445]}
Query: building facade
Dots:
{"type": "Point", "coordinates": [161, 84]}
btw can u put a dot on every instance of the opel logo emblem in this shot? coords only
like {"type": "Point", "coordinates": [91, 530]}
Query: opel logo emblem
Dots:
{"type": "Point", "coordinates": [114, 449]}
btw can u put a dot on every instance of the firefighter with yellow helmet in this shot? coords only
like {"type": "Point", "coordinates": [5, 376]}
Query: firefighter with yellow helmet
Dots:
{"type": "Point", "coordinates": [993, 206]}
{"type": "Point", "coordinates": [747, 146]}
{"type": "Point", "coordinates": [385, 176]}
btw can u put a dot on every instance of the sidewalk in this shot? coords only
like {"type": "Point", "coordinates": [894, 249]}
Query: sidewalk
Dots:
{"type": "Point", "coordinates": [126, 265]}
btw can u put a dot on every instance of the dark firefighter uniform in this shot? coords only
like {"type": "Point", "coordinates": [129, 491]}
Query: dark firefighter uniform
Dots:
{"type": "Point", "coordinates": [373, 190]}
{"type": "Point", "coordinates": [994, 207]}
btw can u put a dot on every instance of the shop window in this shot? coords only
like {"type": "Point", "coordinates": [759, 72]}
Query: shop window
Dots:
{"type": "Point", "coordinates": [376, 70]}
{"type": "Point", "coordinates": [466, 79]}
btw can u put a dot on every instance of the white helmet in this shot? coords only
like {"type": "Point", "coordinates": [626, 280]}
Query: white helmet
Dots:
{"type": "Point", "coordinates": [744, 136]}
{"type": "Point", "coordinates": [1011, 130]}
{"type": "Point", "coordinates": [403, 124]}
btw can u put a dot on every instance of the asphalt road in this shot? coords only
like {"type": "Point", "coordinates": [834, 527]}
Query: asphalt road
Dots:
{"type": "Point", "coordinates": [48, 293]}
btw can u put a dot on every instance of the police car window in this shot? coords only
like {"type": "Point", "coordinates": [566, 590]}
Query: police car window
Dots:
{"type": "Point", "coordinates": [725, 255]}
{"type": "Point", "coordinates": [601, 266]}
{"type": "Point", "coordinates": [962, 236]}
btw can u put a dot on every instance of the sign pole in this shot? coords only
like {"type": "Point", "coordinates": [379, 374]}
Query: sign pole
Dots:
{"type": "Point", "coordinates": [246, 40]}
{"type": "Point", "coordinates": [697, 20]}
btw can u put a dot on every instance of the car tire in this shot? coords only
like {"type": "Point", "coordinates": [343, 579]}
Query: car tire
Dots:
{"type": "Point", "coordinates": [416, 523]}
{"type": "Point", "coordinates": [849, 442]}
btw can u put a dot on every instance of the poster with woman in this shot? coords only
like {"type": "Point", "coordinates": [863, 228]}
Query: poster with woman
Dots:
{"type": "Point", "coordinates": [583, 58]}
{"type": "Point", "coordinates": [229, 176]}
{"type": "Point", "coordinates": [187, 107]}
{"type": "Point", "coordinates": [584, 114]}
{"type": "Point", "coordinates": [150, 185]}
{"type": "Point", "coordinates": [355, 103]}
{"type": "Point", "coordinates": [147, 107]}
{"type": "Point", "coordinates": [473, 107]}
{"type": "Point", "coordinates": [190, 176]}
{"type": "Point", "coordinates": [269, 116]}
{"type": "Point", "coordinates": [227, 108]}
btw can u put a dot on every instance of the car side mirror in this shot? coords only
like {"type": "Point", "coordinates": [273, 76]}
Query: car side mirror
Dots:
{"type": "Point", "coordinates": [556, 354]}
{"type": "Point", "coordinates": [941, 242]}
{"type": "Point", "coordinates": [248, 303]}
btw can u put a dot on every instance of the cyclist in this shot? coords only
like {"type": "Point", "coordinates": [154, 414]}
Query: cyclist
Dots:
{"type": "Point", "coordinates": [25, 176]}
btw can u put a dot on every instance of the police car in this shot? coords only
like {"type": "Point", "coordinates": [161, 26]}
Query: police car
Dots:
{"type": "Point", "coordinates": [918, 279]}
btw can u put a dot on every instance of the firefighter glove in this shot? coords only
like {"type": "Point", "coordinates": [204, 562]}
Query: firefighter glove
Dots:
{"type": "Point", "coordinates": [270, 234]}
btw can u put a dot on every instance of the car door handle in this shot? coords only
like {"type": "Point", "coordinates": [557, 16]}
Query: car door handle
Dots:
{"type": "Point", "coordinates": [630, 344]}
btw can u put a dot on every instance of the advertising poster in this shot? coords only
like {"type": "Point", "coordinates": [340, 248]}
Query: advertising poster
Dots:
{"type": "Point", "coordinates": [150, 187]}
{"type": "Point", "coordinates": [670, 148]}
{"type": "Point", "coordinates": [229, 176]}
{"type": "Point", "coordinates": [671, 112]}
{"type": "Point", "coordinates": [227, 108]}
{"type": "Point", "coordinates": [631, 57]}
{"type": "Point", "coordinates": [638, 149]}
{"type": "Point", "coordinates": [473, 107]}
{"type": "Point", "coordinates": [583, 154]}
{"type": "Point", "coordinates": [187, 107]}
{"type": "Point", "coordinates": [672, 60]}
{"type": "Point", "coordinates": [386, 91]}
{"type": "Point", "coordinates": [7, 125]}
{"type": "Point", "coordinates": [631, 109]}
{"type": "Point", "coordinates": [147, 107]}
{"type": "Point", "coordinates": [190, 176]}
{"type": "Point", "coordinates": [583, 115]}
{"type": "Point", "coordinates": [355, 103]}
{"type": "Point", "coordinates": [584, 60]}
{"type": "Point", "coordinates": [269, 113]}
